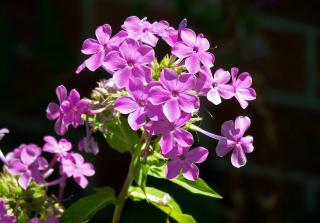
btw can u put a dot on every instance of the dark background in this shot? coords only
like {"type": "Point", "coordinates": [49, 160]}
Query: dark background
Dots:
{"type": "Point", "coordinates": [277, 41]}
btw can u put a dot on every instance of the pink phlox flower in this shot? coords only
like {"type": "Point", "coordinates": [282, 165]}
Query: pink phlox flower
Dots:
{"type": "Point", "coordinates": [4, 216]}
{"type": "Point", "coordinates": [242, 87]}
{"type": "Point", "coordinates": [174, 94]}
{"type": "Point", "coordinates": [193, 49]}
{"type": "Point", "coordinates": [69, 111]}
{"type": "Point", "coordinates": [141, 29]}
{"type": "Point", "coordinates": [235, 141]}
{"type": "Point", "coordinates": [26, 162]}
{"type": "Point", "coordinates": [220, 87]}
{"type": "Point", "coordinates": [130, 61]}
{"type": "Point", "coordinates": [136, 104]}
{"type": "Point", "coordinates": [74, 166]}
{"type": "Point", "coordinates": [73, 108]}
{"type": "Point", "coordinates": [171, 132]}
{"type": "Point", "coordinates": [183, 159]}
{"type": "Point", "coordinates": [61, 147]}
{"type": "Point", "coordinates": [54, 110]}
{"type": "Point", "coordinates": [97, 48]}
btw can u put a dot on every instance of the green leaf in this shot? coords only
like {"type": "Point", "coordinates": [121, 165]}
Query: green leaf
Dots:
{"type": "Point", "coordinates": [198, 187]}
{"type": "Point", "coordinates": [140, 172]}
{"type": "Point", "coordinates": [161, 200]}
{"type": "Point", "coordinates": [85, 208]}
{"type": "Point", "coordinates": [119, 135]}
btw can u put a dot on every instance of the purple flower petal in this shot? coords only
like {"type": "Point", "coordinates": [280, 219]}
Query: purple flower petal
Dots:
{"type": "Point", "coordinates": [193, 63]}
{"type": "Point", "coordinates": [24, 181]}
{"type": "Point", "coordinates": [166, 143]}
{"type": "Point", "coordinates": [190, 171]}
{"type": "Point", "coordinates": [171, 109]}
{"type": "Point", "coordinates": [146, 55]}
{"type": "Point", "coordinates": [185, 82]}
{"type": "Point", "coordinates": [183, 137]}
{"type": "Point", "coordinates": [188, 36]}
{"type": "Point", "coordinates": [246, 144]}
{"type": "Point", "coordinates": [128, 49]}
{"type": "Point", "coordinates": [61, 93]}
{"type": "Point", "coordinates": [214, 96]}
{"type": "Point", "coordinates": [53, 111]}
{"type": "Point", "coordinates": [188, 103]}
{"type": "Point", "coordinates": [95, 61]}
{"type": "Point", "coordinates": [125, 105]}
{"type": "Point", "coordinates": [157, 95]}
{"type": "Point", "coordinates": [90, 46]}
{"type": "Point", "coordinates": [197, 155]}
{"type": "Point", "coordinates": [173, 169]}
{"type": "Point", "coordinates": [244, 80]}
{"type": "Point", "coordinates": [168, 79]}
{"type": "Point", "coordinates": [137, 119]}
{"type": "Point", "coordinates": [113, 61]}
{"type": "Point", "coordinates": [241, 124]}
{"type": "Point", "coordinates": [103, 33]}
{"type": "Point", "coordinates": [238, 157]}
{"type": "Point", "coordinates": [181, 50]}
{"type": "Point", "coordinates": [121, 77]}
{"type": "Point", "coordinates": [149, 39]}
{"type": "Point", "coordinates": [223, 148]}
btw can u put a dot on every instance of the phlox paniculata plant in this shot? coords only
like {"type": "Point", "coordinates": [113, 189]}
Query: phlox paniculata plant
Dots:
{"type": "Point", "coordinates": [146, 106]}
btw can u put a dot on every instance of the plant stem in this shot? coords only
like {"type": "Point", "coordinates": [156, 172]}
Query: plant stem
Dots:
{"type": "Point", "coordinates": [123, 195]}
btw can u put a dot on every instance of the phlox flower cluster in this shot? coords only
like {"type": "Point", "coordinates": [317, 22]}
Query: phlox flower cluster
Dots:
{"type": "Point", "coordinates": [163, 100]}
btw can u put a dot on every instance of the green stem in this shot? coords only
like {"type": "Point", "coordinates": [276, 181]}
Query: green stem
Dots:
{"type": "Point", "coordinates": [123, 195]}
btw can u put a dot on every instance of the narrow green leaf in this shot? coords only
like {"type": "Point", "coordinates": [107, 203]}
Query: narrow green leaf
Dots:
{"type": "Point", "coordinates": [85, 208]}
{"type": "Point", "coordinates": [161, 200]}
{"type": "Point", "coordinates": [198, 187]}
{"type": "Point", "coordinates": [119, 135]}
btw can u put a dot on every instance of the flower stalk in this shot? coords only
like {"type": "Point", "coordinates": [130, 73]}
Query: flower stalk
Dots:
{"type": "Point", "coordinates": [123, 195]}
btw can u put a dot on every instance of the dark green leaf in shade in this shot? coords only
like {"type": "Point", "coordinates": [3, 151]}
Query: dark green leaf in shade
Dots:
{"type": "Point", "coordinates": [85, 208]}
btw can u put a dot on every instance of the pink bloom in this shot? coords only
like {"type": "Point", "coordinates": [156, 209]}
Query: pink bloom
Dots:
{"type": "Point", "coordinates": [54, 110]}
{"type": "Point", "coordinates": [174, 94]}
{"type": "Point", "coordinates": [171, 132]}
{"type": "Point", "coordinates": [73, 108]}
{"type": "Point", "coordinates": [181, 158]}
{"type": "Point", "coordinates": [194, 49]}
{"type": "Point", "coordinates": [141, 29]}
{"type": "Point", "coordinates": [242, 87]}
{"type": "Point", "coordinates": [69, 111]}
{"type": "Point", "coordinates": [74, 166]}
{"type": "Point", "coordinates": [96, 48]}
{"type": "Point", "coordinates": [235, 141]}
{"type": "Point", "coordinates": [136, 104]}
{"type": "Point", "coordinates": [26, 162]}
{"type": "Point", "coordinates": [4, 217]}
{"type": "Point", "coordinates": [129, 61]}
{"type": "Point", "coordinates": [53, 146]}
{"type": "Point", "coordinates": [220, 87]}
